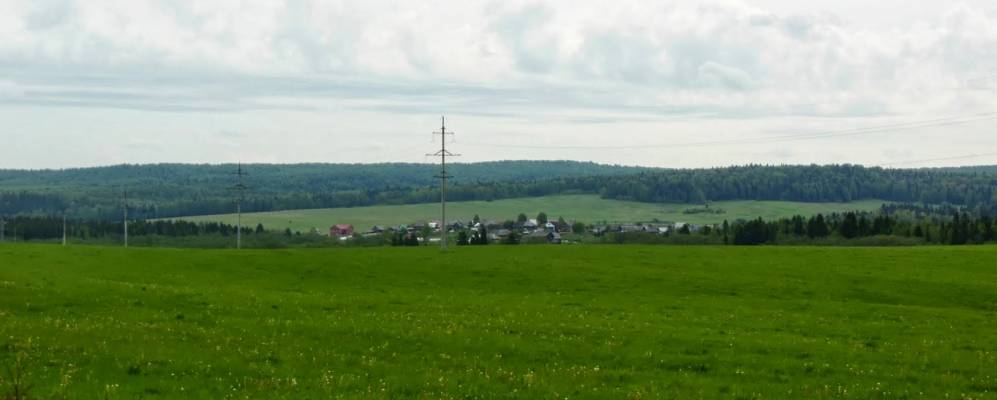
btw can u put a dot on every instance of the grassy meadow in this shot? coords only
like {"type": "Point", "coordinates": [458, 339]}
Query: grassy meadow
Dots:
{"type": "Point", "coordinates": [586, 208]}
{"type": "Point", "coordinates": [547, 322]}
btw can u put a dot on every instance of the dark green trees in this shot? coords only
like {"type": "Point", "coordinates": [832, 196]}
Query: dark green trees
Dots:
{"type": "Point", "coordinates": [542, 218]}
{"type": "Point", "coordinates": [849, 228]}
{"type": "Point", "coordinates": [754, 232]}
{"type": "Point", "coordinates": [817, 227]}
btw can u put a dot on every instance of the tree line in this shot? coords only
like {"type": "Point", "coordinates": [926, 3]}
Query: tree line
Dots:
{"type": "Point", "coordinates": [961, 228]}
{"type": "Point", "coordinates": [892, 225]}
{"type": "Point", "coordinates": [48, 227]}
{"type": "Point", "coordinates": [171, 190]}
{"type": "Point", "coordinates": [202, 190]}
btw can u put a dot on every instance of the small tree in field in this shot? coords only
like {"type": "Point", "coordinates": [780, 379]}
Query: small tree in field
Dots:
{"type": "Point", "coordinates": [726, 228]}
{"type": "Point", "coordinates": [480, 237]}
{"type": "Point", "coordinates": [542, 218]}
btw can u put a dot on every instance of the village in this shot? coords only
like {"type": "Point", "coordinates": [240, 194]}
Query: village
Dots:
{"type": "Point", "coordinates": [529, 230]}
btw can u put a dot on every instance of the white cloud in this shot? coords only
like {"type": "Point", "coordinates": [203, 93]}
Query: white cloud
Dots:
{"type": "Point", "coordinates": [571, 62]}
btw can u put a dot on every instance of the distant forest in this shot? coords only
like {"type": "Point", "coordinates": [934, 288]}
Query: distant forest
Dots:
{"type": "Point", "coordinates": [169, 190]}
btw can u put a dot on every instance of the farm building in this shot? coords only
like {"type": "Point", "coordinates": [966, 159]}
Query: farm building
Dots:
{"type": "Point", "coordinates": [549, 237]}
{"type": "Point", "coordinates": [341, 230]}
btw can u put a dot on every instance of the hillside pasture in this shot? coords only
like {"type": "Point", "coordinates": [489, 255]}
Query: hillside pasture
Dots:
{"type": "Point", "coordinates": [585, 208]}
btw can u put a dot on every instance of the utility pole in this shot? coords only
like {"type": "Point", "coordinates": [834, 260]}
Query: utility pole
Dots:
{"type": "Point", "coordinates": [3, 228]}
{"type": "Point", "coordinates": [63, 228]}
{"type": "Point", "coordinates": [239, 187]}
{"type": "Point", "coordinates": [124, 206]}
{"type": "Point", "coordinates": [443, 176]}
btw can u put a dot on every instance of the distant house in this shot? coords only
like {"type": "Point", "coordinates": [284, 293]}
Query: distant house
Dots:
{"type": "Point", "coordinates": [604, 229]}
{"type": "Point", "coordinates": [377, 229]}
{"type": "Point", "coordinates": [341, 230]}
{"type": "Point", "coordinates": [631, 228]}
{"type": "Point", "coordinates": [564, 228]}
{"type": "Point", "coordinates": [531, 224]}
{"type": "Point", "coordinates": [434, 225]}
{"type": "Point", "coordinates": [539, 236]}
{"type": "Point", "coordinates": [550, 227]}
{"type": "Point", "coordinates": [554, 238]}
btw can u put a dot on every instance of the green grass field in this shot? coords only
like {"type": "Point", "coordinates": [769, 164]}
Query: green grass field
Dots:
{"type": "Point", "coordinates": [586, 208]}
{"type": "Point", "coordinates": [548, 322]}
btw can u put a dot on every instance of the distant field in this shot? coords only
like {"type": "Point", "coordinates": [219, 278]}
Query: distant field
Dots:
{"type": "Point", "coordinates": [586, 208]}
{"type": "Point", "coordinates": [577, 322]}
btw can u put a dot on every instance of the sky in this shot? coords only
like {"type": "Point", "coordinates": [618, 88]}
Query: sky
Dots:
{"type": "Point", "coordinates": [898, 83]}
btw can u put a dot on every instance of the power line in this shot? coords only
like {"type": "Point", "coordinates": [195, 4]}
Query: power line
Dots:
{"type": "Point", "coordinates": [947, 121]}
{"type": "Point", "coordinates": [124, 206]}
{"type": "Point", "coordinates": [443, 176]}
{"type": "Point", "coordinates": [962, 157]}
{"type": "Point", "coordinates": [240, 188]}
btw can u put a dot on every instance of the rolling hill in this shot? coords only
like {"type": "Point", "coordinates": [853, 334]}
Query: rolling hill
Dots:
{"type": "Point", "coordinates": [173, 190]}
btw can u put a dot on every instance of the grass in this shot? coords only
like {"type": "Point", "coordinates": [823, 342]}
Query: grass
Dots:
{"type": "Point", "coordinates": [577, 322]}
{"type": "Point", "coordinates": [586, 208]}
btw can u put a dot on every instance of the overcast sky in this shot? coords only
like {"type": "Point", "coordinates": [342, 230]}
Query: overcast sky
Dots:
{"type": "Point", "coordinates": [657, 83]}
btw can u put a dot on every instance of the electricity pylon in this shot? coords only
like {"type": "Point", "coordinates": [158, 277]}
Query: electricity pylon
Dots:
{"type": "Point", "coordinates": [443, 176]}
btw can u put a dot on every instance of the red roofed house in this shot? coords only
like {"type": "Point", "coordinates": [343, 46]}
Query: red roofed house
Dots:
{"type": "Point", "coordinates": [341, 230]}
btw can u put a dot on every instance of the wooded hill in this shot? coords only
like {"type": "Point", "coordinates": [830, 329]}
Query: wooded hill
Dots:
{"type": "Point", "coordinates": [168, 190]}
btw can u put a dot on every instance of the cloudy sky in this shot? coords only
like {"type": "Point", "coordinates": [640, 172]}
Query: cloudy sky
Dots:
{"type": "Point", "coordinates": [659, 83]}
